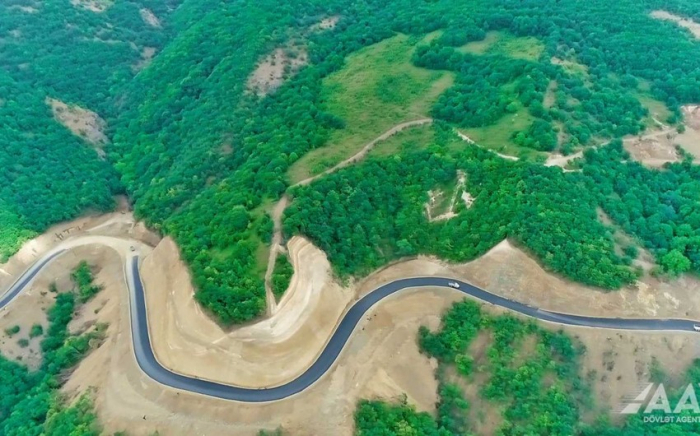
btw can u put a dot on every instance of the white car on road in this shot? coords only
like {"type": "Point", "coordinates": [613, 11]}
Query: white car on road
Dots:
{"type": "Point", "coordinates": [453, 285]}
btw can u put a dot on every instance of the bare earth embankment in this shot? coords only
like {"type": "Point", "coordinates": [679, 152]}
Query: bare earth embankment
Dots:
{"type": "Point", "coordinates": [381, 359]}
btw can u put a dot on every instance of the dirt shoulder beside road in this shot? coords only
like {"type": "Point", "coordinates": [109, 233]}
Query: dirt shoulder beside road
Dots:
{"type": "Point", "coordinates": [381, 359]}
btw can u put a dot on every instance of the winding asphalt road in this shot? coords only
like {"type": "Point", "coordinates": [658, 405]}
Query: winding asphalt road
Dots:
{"type": "Point", "coordinates": [149, 364]}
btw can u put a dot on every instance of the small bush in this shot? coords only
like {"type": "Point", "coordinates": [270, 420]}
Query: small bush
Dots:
{"type": "Point", "coordinates": [36, 330]}
{"type": "Point", "coordinates": [12, 330]}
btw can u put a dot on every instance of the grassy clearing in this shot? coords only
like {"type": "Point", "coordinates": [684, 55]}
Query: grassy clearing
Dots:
{"type": "Point", "coordinates": [550, 96]}
{"type": "Point", "coordinates": [498, 136]}
{"type": "Point", "coordinates": [572, 67]}
{"type": "Point", "coordinates": [262, 254]}
{"type": "Point", "coordinates": [481, 47]}
{"type": "Point", "coordinates": [503, 43]}
{"type": "Point", "coordinates": [378, 88]}
{"type": "Point", "coordinates": [415, 138]}
{"type": "Point", "coordinates": [657, 109]}
{"type": "Point", "coordinates": [444, 202]}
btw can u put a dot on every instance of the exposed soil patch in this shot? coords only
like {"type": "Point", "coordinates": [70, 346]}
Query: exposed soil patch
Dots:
{"type": "Point", "coordinates": [691, 116]}
{"type": "Point", "coordinates": [380, 361]}
{"type": "Point", "coordinates": [550, 94]}
{"type": "Point", "coordinates": [93, 5]}
{"type": "Point", "coordinates": [149, 17]}
{"type": "Point", "coordinates": [691, 25]}
{"type": "Point", "coordinates": [440, 208]}
{"type": "Point", "coordinates": [275, 68]}
{"type": "Point", "coordinates": [644, 260]}
{"type": "Point", "coordinates": [690, 139]}
{"type": "Point", "coordinates": [571, 66]}
{"type": "Point", "coordinates": [653, 151]}
{"type": "Point", "coordinates": [471, 141]}
{"type": "Point", "coordinates": [82, 122]}
{"type": "Point", "coordinates": [559, 160]}
{"type": "Point", "coordinates": [27, 9]}
{"type": "Point", "coordinates": [147, 54]}
{"type": "Point", "coordinates": [619, 362]}
{"type": "Point", "coordinates": [326, 24]}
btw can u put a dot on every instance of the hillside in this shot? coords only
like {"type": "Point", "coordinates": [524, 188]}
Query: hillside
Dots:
{"type": "Point", "coordinates": [63, 65]}
{"type": "Point", "coordinates": [378, 131]}
{"type": "Point", "coordinates": [526, 86]}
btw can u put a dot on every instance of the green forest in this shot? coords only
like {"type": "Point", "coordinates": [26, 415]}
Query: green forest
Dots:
{"type": "Point", "coordinates": [54, 50]}
{"type": "Point", "coordinates": [204, 159]}
{"type": "Point", "coordinates": [210, 185]}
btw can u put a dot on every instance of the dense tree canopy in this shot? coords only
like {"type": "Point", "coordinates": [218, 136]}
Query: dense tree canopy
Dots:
{"type": "Point", "coordinates": [202, 157]}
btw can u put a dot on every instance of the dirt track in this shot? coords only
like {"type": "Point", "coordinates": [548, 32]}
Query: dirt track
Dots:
{"type": "Point", "coordinates": [282, 204]}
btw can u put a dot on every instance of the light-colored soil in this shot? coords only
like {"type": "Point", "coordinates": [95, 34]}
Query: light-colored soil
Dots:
{"type": "Point", "coordinates": [469, 140]}
{"type": "Point", "coordinates": [147, 54]}
{"type": "Point", "coordinates": [27, 9]}
{"type": "Point", "coordinates": [275, 248]}
{"type": "Point", "coordinates": [690, 139]}
{"type": "Point", "coordinates": [30, 307]}
{"type": "Point", "coordinates": [275, 68]}
{"type": "Point", "coordinates": [93, 5]}
{"type": "Point", "coordinates": [267, 353]}
{"type": "Point", "coordinates": [653, 150]}
{"type": "Point", "coordinates": [436, 197]}
{"type": "Point", "coordinates": [508, 271]}
{"type": "Point", "coordinates": [691, 25]}
{"type": "Point", "coordinates": [149, 17]}
{"type": "Point", "coordinates": [559, 160]}
{"type": "Point", "coordinates": [622, 361]}
{"type": "Point", "coordinates": [381, 360]}
{"type": "Point", "coordinates": [326, 24]}
{"type": "Point", "coordinates": [81, 122]}
{"type": "Point", "coordinates": [550, 94]}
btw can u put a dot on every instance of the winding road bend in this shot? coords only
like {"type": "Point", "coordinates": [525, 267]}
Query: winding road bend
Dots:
{"type": "Point", "coordinates": [149, 364]}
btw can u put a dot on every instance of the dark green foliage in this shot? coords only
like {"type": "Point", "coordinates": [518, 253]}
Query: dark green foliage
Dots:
{"type": "Point", "coordinates": [74, 55]}
{"type": "Point", "coordinates": [201, 157]}
{"type": "Point", "coordinates": [540, 136]}
{"type": "Point", "coordinates": [282, 275]}
{"type": "Point", "coordinates": [36, 330]}
{"type": "Point", "coordinates": [77, 419]}
{"type": "Point", "coordinates": [16, 382]}
{"type": "Point", "coordinates": [29, 401]}
{"type": "Point", "coordinates": [12, 330]}
{"type": "Point", "coordinates": [82, 276]}
{"type": "Point", "coordinates": [661, 208]}
{"type": "Point", "coordinates": [539, 392]}
{"type": "Point", "coordinates": [375, 418]}
{"type": "Point", "coordinates": [382, 217]}
{"type": "Point", "coordinates": [516, 382]}
{"type": "Point", "coordinates": [23, 343]}
{"type": "Point", "coordinates": [277, 432]}
{"type": "Point", "coordinates": [172, 161]}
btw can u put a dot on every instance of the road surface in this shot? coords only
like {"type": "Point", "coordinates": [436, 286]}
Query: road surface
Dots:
{"type": "Point", "coordinates": [149, 364]}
